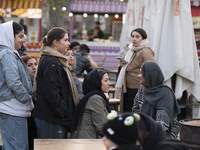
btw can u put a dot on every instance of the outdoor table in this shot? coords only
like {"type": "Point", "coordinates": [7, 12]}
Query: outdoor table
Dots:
{"type": "Point", "coordinates": [69, 144]}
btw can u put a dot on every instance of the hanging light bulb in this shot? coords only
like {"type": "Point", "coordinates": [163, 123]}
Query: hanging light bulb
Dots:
{"type": "Point", "coordinates": [95, 15]}
{"type": "Point", "coordinates": [106, 15]}
{"type": "Point", "coordinates": [85, 15]}
{"type": "Point", "coordinates": [54, 8]}
{"type": "Point", "coordinates": [64, 8]}
{"type": "Point", "coordinates": [70, 14]}
{"type": "Point", "coordinates": [116, 16]}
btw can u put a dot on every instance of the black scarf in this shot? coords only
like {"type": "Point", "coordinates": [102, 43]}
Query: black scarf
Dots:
{"type": "Point", "coordinates": [91, 86]}
{"type": "Point", "coordinates": [156, 134]}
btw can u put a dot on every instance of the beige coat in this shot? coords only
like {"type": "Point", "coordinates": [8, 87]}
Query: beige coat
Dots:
{"type": "Point", "coordinates": [131, 79]}
{"type": "Point", "coordinates": [94, 116]}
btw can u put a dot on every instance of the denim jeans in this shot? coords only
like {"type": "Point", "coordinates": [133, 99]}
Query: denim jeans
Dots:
{"type": "Point", "coordinates": [50, 130]}
{"type": "Point", "coordinates": [14, 132]}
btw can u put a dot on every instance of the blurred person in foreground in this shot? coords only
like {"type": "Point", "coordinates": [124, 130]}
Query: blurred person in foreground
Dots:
{"type": "Point", "coordinates": [136, 131]}
{"type": "Point", "coordinates": [121, 132]}
{"type": "Point", "coordinates": [15, 89]}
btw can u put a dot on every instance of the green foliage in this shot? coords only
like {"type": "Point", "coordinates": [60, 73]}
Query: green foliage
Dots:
{"type": "Point", "coordinates": [57, 5]}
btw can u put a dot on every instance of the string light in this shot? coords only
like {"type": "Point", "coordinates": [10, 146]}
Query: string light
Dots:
{"type": "Point", "coordinates": [95, 15]}
{"type": "Point", "coordinates": [70, 14]}
{"type": "Point", "coordinates": [85, 15]}
{"type": "Point", "coordinates": [54, 8]}
{"type": "Point", "coordinates": [116, 16]}
{"type": "Point", "coordinates": [64, 8]}
{"type": "Point", "coordinates": [106, 15]}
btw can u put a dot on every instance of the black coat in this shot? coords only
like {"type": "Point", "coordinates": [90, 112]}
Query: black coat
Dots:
{"type": "Point", "coordinates": [54, 96]}
{"type": "Point", "coordinates": [82, 64]}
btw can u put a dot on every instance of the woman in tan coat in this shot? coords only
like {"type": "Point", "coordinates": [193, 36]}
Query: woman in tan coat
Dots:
{"type": "Point", "coordinates": [128, 83]}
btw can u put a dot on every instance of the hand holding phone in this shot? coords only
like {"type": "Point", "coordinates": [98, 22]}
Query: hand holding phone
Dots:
{"type": "Point", "coordinates": [122, 60]}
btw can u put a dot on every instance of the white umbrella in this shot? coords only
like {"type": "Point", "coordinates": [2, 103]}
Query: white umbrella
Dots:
{"type": "Point", "coordinates": [172, 39]}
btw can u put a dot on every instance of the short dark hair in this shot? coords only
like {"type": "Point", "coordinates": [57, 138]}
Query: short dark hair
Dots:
{"type": "Point", "coordinates": [84, 47]}
{"type": "Point", "coordinates": [141, 32]}
{"type": "Point", "coordinates": [55, 33]}
{"type": "Point", "coordinates": [17, 28]}
{"type": "Point", "coordinates": [73, 44]}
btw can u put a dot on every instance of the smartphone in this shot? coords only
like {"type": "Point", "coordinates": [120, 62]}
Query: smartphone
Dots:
{"type": "Point", "coordinates": [122, 60]}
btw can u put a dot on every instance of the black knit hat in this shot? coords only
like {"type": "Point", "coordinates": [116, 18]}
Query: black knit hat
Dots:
{"type": "Point", "coordinates": [141, 31]}
{"type": "Point", "coordinates": [122, 129]}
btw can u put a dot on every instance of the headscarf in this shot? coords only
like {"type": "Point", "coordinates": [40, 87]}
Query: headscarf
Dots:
{"type": "Point", "coordinates": [128, 56]}
{"type": "Point", "coordinates": [155, 133]}
{"type": "Point", "coordinates": [91, 86]}
{"type": "Point", "coordinates": [7, 35]}
{"type": "Point", "coordinates": [156, 93]}
{"type": "Point", "coordinates": [156, 139]}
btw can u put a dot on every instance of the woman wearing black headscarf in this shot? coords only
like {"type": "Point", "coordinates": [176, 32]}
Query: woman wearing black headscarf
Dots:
{"type": "Point", "coordinates": [91, 112]}
{"type": "Point", "coordinates": [156, 99]}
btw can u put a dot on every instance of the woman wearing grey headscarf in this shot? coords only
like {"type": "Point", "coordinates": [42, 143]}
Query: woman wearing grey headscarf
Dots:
{"type": "Point", "coordinates": [156, 99]}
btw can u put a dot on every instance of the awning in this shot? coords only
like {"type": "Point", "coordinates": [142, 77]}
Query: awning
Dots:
{"type": "Point", "coordinates": [20, 4]}
{"type": "Point", "coordinates": [98, 7]}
